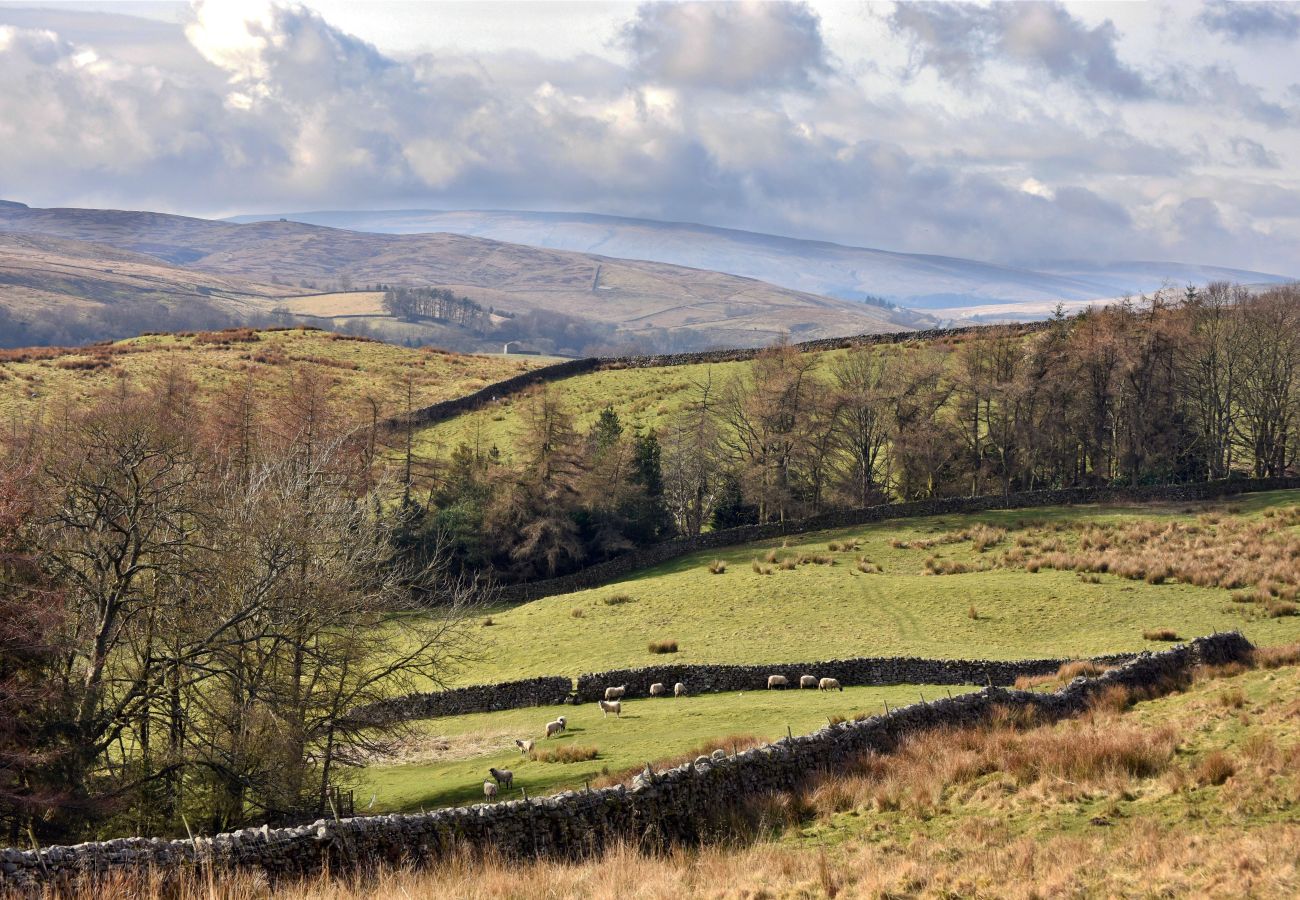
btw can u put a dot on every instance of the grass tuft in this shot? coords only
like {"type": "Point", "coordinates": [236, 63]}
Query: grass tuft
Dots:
{"type": "Point", "coordinates": [663, 646]}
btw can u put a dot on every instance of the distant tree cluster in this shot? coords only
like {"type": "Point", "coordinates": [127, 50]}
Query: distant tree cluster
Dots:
{"type": "Point", "coordinates": [439, 304]}
{"type": "Point", "coordinates": [1173, 389]}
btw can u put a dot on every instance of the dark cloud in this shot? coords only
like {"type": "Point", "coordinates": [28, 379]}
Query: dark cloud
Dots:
{"type": "Point", "coordinates": [958, 39]}
{"type": "Point", "coordinates": [738, 46]}
{"type": "Point", "coordinates": [1243, 20]}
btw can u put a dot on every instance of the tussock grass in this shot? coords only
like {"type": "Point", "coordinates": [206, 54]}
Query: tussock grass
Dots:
{"type": "Point", "coordinates": [663, 647]}
{"type": "Point", "coordinates": [1160, 634]}
{"type": "Point", "coordinates": [718, 566]}
{"type": "Point", "coordinates": [569, 753]}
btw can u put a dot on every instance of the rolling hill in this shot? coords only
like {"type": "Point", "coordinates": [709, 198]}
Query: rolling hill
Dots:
{"type": "Point", "coordinates": [942, 285]}
{"type": "Point", "coordinates": [253, 263]}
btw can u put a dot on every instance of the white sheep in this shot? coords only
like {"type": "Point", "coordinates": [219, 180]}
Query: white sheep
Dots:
{"type": "Point", "coordinates": [615, 693]}
{"type": "Point", "coordinates": [807, 681]}
{"type": "Point", "coordinates": [679, 690]}
{"type": "Point", "coordinates": [554, 728]}
{"type": "Point", "coordinates": [490, 790]}
{"type": "Point", "coordinates": [525, 747]}
{"type": "Point", "coordinates": [503, 777]}
{"type": "Point", "coordinates": [611, 706]}
{"type": "Point", "coordinates": [829, 684]}
{"type": "Point", "coordinates": [657, 689]}
{"type": "Point", "coordinates": [777, 681]}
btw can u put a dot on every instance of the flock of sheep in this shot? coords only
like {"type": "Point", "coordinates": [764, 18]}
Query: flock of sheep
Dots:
{"type": "Point", "coordinates": [613, 703]}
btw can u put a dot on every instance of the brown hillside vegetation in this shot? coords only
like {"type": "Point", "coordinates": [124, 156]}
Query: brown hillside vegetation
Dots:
{"type": "Point", "coordinates": [1189, 795]}
{"type": "Point", "coordinates": [358, 373]}
{"type": "Point", "coordinates": [631, 294]}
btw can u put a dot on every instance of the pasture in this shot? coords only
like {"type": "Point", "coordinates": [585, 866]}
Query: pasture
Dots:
{"type": "Point", "coordinates": [934, 595]}
{"type": "Point", "coordinates": [445, 761]}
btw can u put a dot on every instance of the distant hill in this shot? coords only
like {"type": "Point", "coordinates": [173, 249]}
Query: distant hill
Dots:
{"type": "Point", "coordinates": [942, 285]}
{"type": "Point", "coordinates": [689, 305]}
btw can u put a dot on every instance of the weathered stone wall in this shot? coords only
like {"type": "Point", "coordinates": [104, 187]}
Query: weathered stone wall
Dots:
{"type": "Point", "coordinates": [654, 554]}
{"type": "Point", "coordinates": [679, 806]}
{"type": "Point", "coordinates": [864, 671]}
{"type": "Point", "coordinates": [543, 691]}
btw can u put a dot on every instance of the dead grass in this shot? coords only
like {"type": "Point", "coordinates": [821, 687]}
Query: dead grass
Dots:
{"type": "Point", "coordinates": [663, 647]}
{"type": "Point", "coordinates": [569, 753]}
{"type": "Point", "coordinates": [1254, 557]}
{"type": "Point", "coordinates": [1160, 634]}
{"type": "Point", "coordinates": [1062, 676]}
{"type": "Point", "coordinates": [718, 566]}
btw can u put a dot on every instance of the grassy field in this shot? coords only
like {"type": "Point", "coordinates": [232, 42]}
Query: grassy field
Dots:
{"type": "Point", "coordinates": [446, 761]}
{"type": "Point", "coordinates": [820, 611]}
{"type": "Point", "coordinates": [643, 398]}
{"type": "Point", "coordinates": [1191, 795]}
{"type": "Point", "coordinates": [342, 303]}
{"type": "Point", "coordinates": [32, 379]}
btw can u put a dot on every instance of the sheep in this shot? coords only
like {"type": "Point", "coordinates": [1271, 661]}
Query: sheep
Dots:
{"type": "Point", "coordinates": [657, 689]}
{"type": "Point", "coordinates": [554, 728]}
{"type": "Point", "coordinates": [777, 681]}
{"type": "Point", "coordinates": [615, 693]}
{"type": "Point", "coordinates": [490, 790]}
{"type": "Point", "coordinates": [679, 690]}
{"type": "Point", "coordinates": [503, 777]}
{"type": "Point", "coordinates": [525, 747]}
{"type": "Point", "coordinates": [611, 706]}
{"type": "Point", "coordinates": [807, 681]}
{"type": "Point", "coordinates": [829, 684]}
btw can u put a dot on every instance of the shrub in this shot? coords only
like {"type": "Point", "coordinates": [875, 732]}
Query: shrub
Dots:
{"type": "Point", "coordinates": [1160, 634]}
{"type": "Point", "coordinates": [1215, 768]}
{"type": "Point", "coordinates": [717, 567]}
{"type": "Point", "coordinates": [663, 646]}
{"type": "Point", "coordinates": [1276, 609]}
{"type": "Point", "coordinates": [570, 753]}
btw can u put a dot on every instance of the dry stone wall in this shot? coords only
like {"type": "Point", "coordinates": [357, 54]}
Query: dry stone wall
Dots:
{"type": "Point", "coordinates": [684, 805]}
{"type": "Point", "coordinates": [864, 671]}
{"type": "Point", "coordinates": [543, 691]}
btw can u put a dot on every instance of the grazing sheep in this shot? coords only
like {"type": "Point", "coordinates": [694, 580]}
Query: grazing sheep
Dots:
{"type": "Point", "coordinates": [615, 693]}
{"type": "Point", "coordinates": [777, 681]}
{"type": "Point", "coordinates": [503, 777]}
{"type": "Point", "coordinates": [679, 690]}
{"type": "Point", "coordinates": [490, 790]}
{"type": "Point", "coordinates": [829, 684]}
{"type": "Point", "coordinates": [525, 747]}
{"type": "Point", "coordinates": [807, 681]}
{"type": "Point", "coordinates": [554, 728]}
{"type": "Point", "coordinates": [657, 689]}
{"type": "Point", "coordinates": [611, 706]}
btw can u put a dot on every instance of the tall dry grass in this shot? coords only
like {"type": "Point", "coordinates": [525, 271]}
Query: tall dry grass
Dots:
{"type": "Point", "coordinates": [1257, 558]}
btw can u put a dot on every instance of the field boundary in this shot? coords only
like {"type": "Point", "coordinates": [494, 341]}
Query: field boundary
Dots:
{"type": "Point", "coordinates": [709, 678]}
{"type": "Point", "coordinates": [448, 409]}
{"type": "Point", "coordinates": [655, 554]}
{"type": "Point", "coordinates": [685, 805]}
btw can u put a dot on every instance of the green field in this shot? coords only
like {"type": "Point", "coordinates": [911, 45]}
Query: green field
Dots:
{"type": "Point", "coordinates": [833, 611]}
{"type": "Point", "coordinates": [450, 756]}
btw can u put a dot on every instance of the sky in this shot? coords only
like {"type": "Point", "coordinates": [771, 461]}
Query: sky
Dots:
{"type": "Point", "coordinates": [1014, 132]}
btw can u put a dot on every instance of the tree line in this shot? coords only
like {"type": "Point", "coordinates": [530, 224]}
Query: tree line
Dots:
{"type": "Point", "coordinates": [194, 593]}
{"type": "Point", "coordinates": [440, 304]}
{"type": "Point", "coordinates": [1168, 389]}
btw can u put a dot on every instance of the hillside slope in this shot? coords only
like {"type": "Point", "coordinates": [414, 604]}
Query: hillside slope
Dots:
{"type": "Point", "coordinates": [634, 296]}
{"type": "Point", "coordinates": [942, 284]}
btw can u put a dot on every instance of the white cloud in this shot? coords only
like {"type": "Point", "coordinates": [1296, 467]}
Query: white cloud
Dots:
{"type": "Point", "coordinates": [749, 116]}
